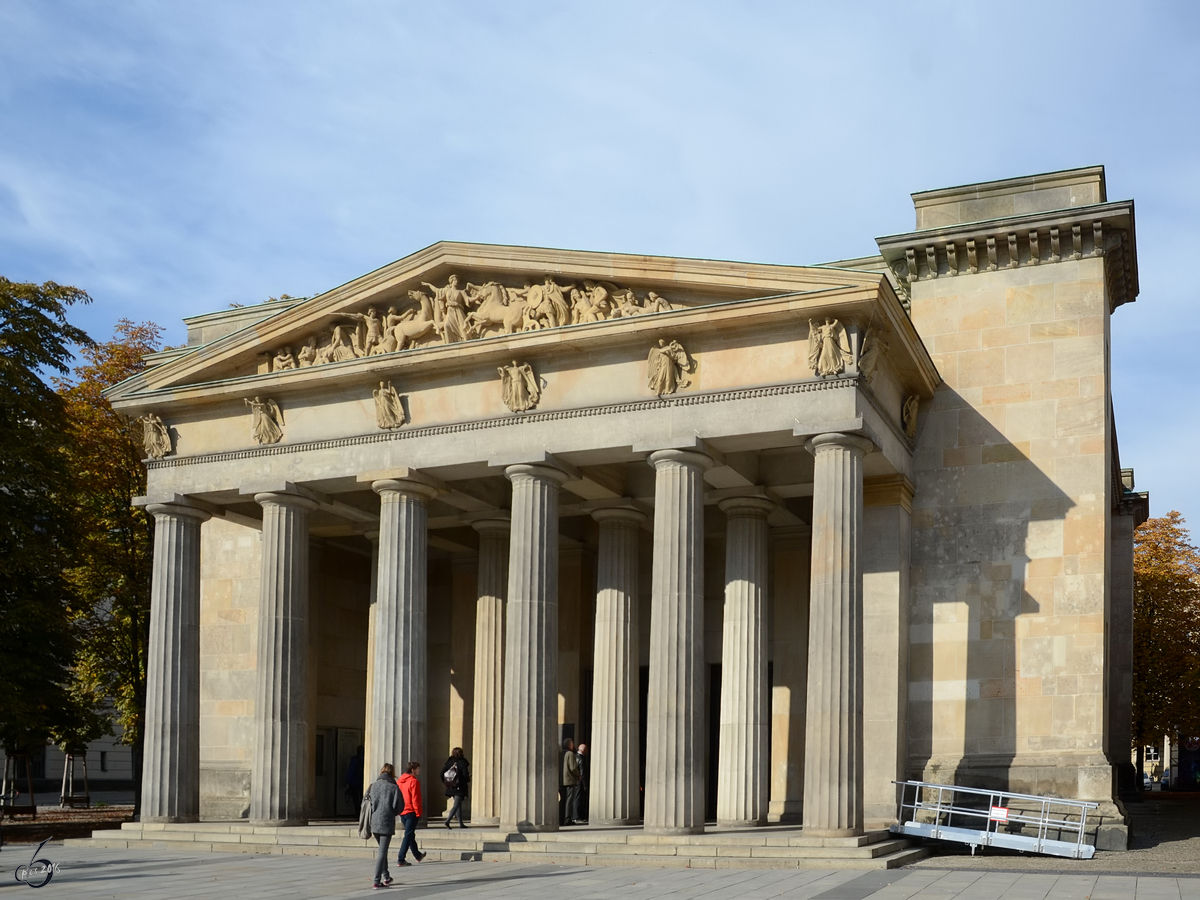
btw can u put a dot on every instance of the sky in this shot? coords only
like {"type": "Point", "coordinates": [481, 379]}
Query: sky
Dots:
{"type": "Point", "coordinates": [173, 158]}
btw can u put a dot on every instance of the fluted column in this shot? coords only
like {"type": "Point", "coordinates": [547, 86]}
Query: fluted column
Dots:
{"type": "Point", "coordinates": [613, 792]}
{"type": "Point", "coordinates": [742, 782]}
{"type": "Point", "coordinates": [489, 671]}
{"type": "Point", "coordinates": [675, 715]}
{"type": "Point", "coordinates": [279, 779]}
{"type": "Point", "coordinates": [398, 698]}
{"type": "Point", "coordinates": [833, 749]}
{"type": "Point", "coordinates": [171, 758]}
{"type": "Point", "coordinates": [529, 783]}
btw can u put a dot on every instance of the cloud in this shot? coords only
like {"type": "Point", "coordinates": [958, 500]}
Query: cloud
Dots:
{"type": "Point", "coordinates": [174, 158]}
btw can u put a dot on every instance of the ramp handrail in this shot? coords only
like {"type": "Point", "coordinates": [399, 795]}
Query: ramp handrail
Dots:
{"type": "Point", "coordinates": [940, 803]}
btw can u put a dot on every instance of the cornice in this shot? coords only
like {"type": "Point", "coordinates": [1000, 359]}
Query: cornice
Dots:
{"type": "Point", "coordinates": [732, 280]}
{"type": "Point", "coordinates": [1045, 238]}
{"type": "Point", "coordinates": [869, 303]}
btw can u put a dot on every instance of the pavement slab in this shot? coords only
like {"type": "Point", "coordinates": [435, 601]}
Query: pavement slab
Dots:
{"type": "Point", "coordinates": [89, 873]}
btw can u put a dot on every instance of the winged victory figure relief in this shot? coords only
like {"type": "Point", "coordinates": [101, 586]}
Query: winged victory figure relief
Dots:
{"type": "Point", "coordinates": [828, 347]}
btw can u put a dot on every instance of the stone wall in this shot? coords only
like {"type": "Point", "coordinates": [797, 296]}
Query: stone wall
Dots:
{"type": "Point", "coordinates": [1010, 522]}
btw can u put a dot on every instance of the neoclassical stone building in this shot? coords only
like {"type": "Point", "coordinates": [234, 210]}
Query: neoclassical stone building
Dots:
{"type": "Point", "coordinates": [767, 537]}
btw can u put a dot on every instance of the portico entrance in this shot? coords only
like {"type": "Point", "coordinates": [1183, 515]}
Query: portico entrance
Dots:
{"type": "Point", "coordinates": [437, 555]}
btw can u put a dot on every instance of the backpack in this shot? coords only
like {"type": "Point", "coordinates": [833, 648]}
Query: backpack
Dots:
{"type": "Point", "coordinates": [364, 817]}
{"type": "Point", "coordinates": [450, 776]}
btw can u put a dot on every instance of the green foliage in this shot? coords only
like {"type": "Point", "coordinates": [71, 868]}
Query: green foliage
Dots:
{"type": "Point", "coordinates": [36, 534]}
{"type": "Point", "coordinates": [1166, 631]}
{"type": "Point", "coordinates": [110, 573]}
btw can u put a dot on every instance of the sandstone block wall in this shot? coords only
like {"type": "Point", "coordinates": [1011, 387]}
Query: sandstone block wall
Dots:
{"type": "Point", "coordinates": [1010, 531]}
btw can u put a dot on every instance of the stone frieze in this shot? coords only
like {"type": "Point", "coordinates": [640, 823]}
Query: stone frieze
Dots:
{"type": "Point", "coordinates": [454, 312]}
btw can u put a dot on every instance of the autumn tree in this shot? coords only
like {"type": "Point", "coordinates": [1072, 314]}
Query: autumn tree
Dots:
{"type": "Point", "coordinates": [36, 529]}
{"type": "Point", "coordinates": [110, 572]}
{"type": "Point", "coordinates": [1166, 631]}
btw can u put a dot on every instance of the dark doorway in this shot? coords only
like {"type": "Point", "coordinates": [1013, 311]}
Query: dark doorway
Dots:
{"type": "Point", "coordinates": [714, 741]}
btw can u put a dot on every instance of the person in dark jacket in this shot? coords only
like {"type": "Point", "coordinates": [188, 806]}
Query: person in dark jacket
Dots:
{"type": "Point", "coordinates": [456, 776]}
{"type": "Point", "coordinates": [386, 804]}
{"type": "Point", "coordinates": [410, 788]}
{"type": "Point", "coordinates": [570, 780]}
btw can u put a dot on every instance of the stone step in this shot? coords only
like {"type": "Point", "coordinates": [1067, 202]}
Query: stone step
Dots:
{"type": "Point", "coordinates": [599, 847]}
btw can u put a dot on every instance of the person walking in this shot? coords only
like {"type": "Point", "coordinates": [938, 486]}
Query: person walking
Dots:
{"type": "Point", "coordinates": [570, 780]}
{"type": "Point", "coordinates": [386, 804]}
{"type": "Point", "coordinates": [410, 788]}
{"type": "Point", "coordinates": [456, 775]}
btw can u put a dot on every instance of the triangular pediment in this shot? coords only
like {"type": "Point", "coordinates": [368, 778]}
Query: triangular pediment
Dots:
{"type": "Point", "coordinates": [411, 304]}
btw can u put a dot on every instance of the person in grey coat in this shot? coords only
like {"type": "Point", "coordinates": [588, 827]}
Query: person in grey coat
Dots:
{"type": "Point", "coordinates": [386, 804]}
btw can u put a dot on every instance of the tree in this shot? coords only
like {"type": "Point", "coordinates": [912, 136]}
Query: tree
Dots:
{"type": "Point", "coordinates": [36, 534]}
{"type": "Point", "coordinates": [110, 573]}
{"type": "Point", "coordinates": [1166, 631]}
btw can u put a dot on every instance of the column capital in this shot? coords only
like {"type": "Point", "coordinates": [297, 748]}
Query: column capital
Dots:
{"type": "Point", "coordinates": [493, 525]}
{"type": "Point", "coordinates": [544, 471]}
{"type": "Point", "coordinates": [837, 439]}
{"type": "Point", "coordinates": [685, 457]}
{"type": "Point", "coordinates": [619, 513]}
{"type": "Point", "coordinates": [412, 487]}
{"type": "Point", "coordinates": [754, 507]}
{"type": "Point", "coordinates": [179, 508]}
{"type": "Point", "coordinates": [282, 498]}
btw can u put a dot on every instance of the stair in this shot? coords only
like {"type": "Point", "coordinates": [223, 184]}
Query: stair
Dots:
{"type": "Point", "coordinates": [772, 847]}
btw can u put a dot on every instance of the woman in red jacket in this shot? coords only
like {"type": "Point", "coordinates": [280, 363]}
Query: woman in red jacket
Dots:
{"type": "Point", "coordinates": [410, 789]}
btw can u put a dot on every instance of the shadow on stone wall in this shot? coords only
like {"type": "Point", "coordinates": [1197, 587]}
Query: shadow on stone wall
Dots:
{"type": "Point", "coordinates": [983, 516]}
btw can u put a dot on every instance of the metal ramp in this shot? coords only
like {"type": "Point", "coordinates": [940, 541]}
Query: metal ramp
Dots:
{"type": "Point", "coordinates": [984, 818]}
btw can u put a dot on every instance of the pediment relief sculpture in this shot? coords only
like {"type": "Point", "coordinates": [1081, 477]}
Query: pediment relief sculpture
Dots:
{"type": "Point", "coordinates": [155, 437]}
{"type": "Point", "coordinates": [828, 348]}
{"type": "Point", "coordinates": [389, 411]}
{"type": "Point", "coordinates": [667, 368]}
{"type": "Point", "coordinates": [519, 387]}
{"type": "Point", "coordinates": [452, 313]}
{"type": "Point", "coordinates": [266, 420]}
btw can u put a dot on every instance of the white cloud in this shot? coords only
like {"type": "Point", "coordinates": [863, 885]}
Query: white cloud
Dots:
{"type": "Point", "coordinates": [173, 158]}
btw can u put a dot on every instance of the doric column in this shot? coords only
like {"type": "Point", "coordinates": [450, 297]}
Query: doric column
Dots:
{"type": "Point", "coordinates": [613, 792]}
{"type": "Point", "coordinates": [279, 780]}
{"type": "Point", "coordinates": [489, 670]}
{"type": "Point", "coordinates": [675, 714]}
{"type": "Point", "coordinates": [171, 758]}
{"type": "Point", "coordinates": [529, 783]}
{"type": "Point", "coordinates": [398, 699]}
{"type": "Point", "coordinates": [833, 749]}
{"type": "Point", "coordinates": [742, 782]}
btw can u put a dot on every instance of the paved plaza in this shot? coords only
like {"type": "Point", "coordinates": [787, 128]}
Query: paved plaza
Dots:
{"type": "Point", "coordinates": [86, 873]}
